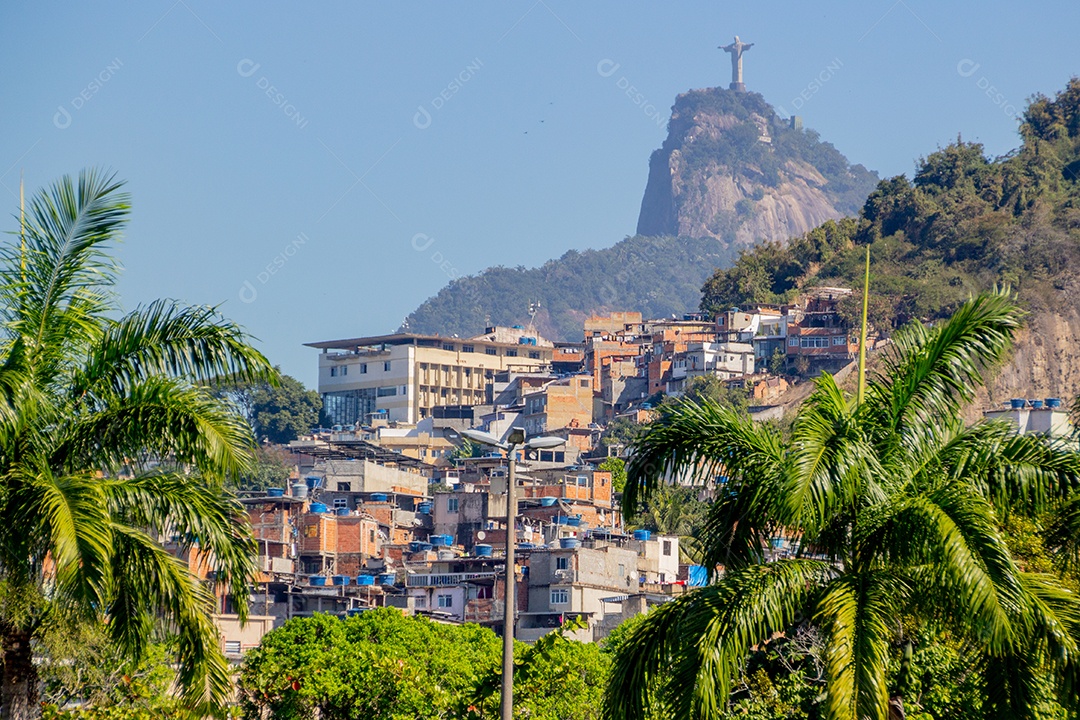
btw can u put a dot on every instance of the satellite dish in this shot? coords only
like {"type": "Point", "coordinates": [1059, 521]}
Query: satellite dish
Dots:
{"type": "Point", "coordinates": [481, 535]}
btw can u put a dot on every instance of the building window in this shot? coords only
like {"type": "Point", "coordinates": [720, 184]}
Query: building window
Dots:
{"type": "Point", "coordinates": [814, 342]}
{"type": "Point", "coordinates": [622, 570]}
{"type": "Point", "coordinates": [511, 353]}
{"type": "Point", "coordinates": [793, 341]}
{"type": "Point", "coordinates": [333, 371]}
{"type": "Point", "coordinates": [341, 502]}
{"type": "Point", "coordinates": [451, 505]}
{"type": "Point", "coordinates": [371, 536]}
{"type": "Point", "coordinates": [344, 487]}
{"type": "Point", "coordinates": [468, 348]}
{"type": "Point", "coordinates": [387, 391]}
{"type": "Point", "coordinates": [363, 368]}
{"type": "Point", "coordinates": [667, 547]}
{"type": "Point", "coordinates": [491, 351]}
{"type": "Point", "coordinates": [421, 601]}
{"type": "Point", "coordinates": [534, 355]}
{"type": "Point", "coordinates": [448, 346]}
{"type": "Point", "coordinates": [562, 563]}
{"type": "Point", "coordinates": [232, 647]}
{"type": "Point", "coordinates": [344, 369]}
{"type": "Point", "coordinates": [446, 601]}
{"type": "Point", "coordinates": [839, 340]}
{"type": "Point", "coordinates": [560, 596]}
{"type": "Point", "coordinates": [386, 366]}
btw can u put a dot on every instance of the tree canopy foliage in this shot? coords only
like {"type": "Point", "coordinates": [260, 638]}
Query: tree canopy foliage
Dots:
{"type": "Point", "coordinates": [962, 224]}
{"type": "Point", "coordinates": [280, 411]}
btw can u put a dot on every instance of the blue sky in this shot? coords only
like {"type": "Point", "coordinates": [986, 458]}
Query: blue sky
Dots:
{"type": "Point", "coordinates": [281, 165]}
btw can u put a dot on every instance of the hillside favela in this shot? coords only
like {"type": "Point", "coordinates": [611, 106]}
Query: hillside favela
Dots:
{"type": "Point", "coordinates": [329, 390]}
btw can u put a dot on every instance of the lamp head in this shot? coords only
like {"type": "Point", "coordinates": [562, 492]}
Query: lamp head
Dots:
{"type": "Point", "coordinates": [516, 436]}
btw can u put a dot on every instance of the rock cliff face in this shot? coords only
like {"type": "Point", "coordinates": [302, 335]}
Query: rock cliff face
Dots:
{"type": "Point", "coordinates": [731, 169]}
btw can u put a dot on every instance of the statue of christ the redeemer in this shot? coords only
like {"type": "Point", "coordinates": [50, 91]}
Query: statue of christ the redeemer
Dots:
{"type": "Point", "coordinates": [736, 49]}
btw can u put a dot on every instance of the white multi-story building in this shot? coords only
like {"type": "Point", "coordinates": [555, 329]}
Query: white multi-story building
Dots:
{"type": "Point", "coordinates": [402, 377]}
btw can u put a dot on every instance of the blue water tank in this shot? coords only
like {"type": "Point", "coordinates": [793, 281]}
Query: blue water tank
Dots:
{"type": "Point", "coordinates": [386, 579]}
{"type": "Point", "coordinates": [342, 511]}
{"type": "Point", "coordinates": [441, 540]}
{"type": "Point", "coordinates": [697, 576]}
{"type": "Point", "coordinates": [573, 521]}
{"type": "Point", "coordinates": [275, 492]}
{"type": "Point", "coordinates": [317, 508]}
{"type": "Point", "coordinates": [777, 542]}
{"type": "Point", "coordinates": [419, 546]}
{"type": "Point", "coordinates": [483, 550]}
{"type": "Point", "coordinates": [548, 501]}
{"type": "Point", "coordinates": [1053, 402]}
{"type": "Point", "coordinates": [313, 481]}
{"type": "Point", "coordinates": [365, 579]}
{"type": "Point", "coordinates": [342, 579]}
{"type": "Point", "coordinates": [1017, 403]}
{"type": "Point", "coordinates": [424, 508]}
{"type": "Point", "coordinates": [317, 581]}
{"type": "Point", "coordinates": [642, 535]}
{"type": "Point", "coordinates": [378, 497]}
{"type": "Point", "coordinates": [560, 520]}
{"type": "Point", "coordinates": [1037, 404]}
{"type": "Point", "coordinates": [568, 543]}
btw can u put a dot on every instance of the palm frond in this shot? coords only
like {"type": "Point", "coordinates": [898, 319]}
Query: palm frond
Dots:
{"type": "Point", "coordinates": [202, 517]}
{"type": "Point", "coordinates": [929, 373]}
{"type": "Point", "coordinates": [681, 660]}
{"type": "Point", "coordinates": [701, 440]}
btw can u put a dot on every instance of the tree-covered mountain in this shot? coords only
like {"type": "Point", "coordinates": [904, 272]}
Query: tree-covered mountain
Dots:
{"type": "Point", "coordinates": [658, 276]}
{"type": "Point", "coordinates": [963, 223]}
{"type": "Point", "coordinates": [732, 169]}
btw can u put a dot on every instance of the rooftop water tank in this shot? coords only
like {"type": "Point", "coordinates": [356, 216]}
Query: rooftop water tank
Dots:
{"type": "Point", "coordinates": [378, 497]}
{"type": "Point", "coordinates": [299, 490]}
{"type": "Point", "coordinates": [548, 501]}
{"type": "Point", "coordinates": [313, 481]}
{"type": "Point", "coordinates": [386, 579]}
{"type": "Point", "coordinates": [483, 550]}
{"type": "Point", "coordinates": [342, 511]}
{"type": "Point", "coordinates": [365, 579]}
{"type": "Point", "coordinates": [419, 546]}
{"type": "Point", "coordinates": [642, 535]}
{"type": "Point", "coordinates": [568, 543]}
{"type": "Point", "coordinates": [424, 508]}
{"type": "Point", "coordinates": [440, 540]}
{"type": "Point", "coordinates": [573, 521]}
{"type": "Point", "coordinates": [317, 508]}
{"type": "Point", "coordinates": [275, 492]}
{"type": "Point", "coordinates": [1037, 404]}
{"type": "Point", "coordinates": [317, 581]}
{"type": "Point", "coordinates": [1053, 402]}
{"type": "Point", "coordinates": [342, 579]}
{"type": "Point", "coordinates": [1017, 403]}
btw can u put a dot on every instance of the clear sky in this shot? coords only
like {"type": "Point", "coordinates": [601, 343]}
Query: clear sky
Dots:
{"type": "Point", "coordinates": [286, 160]}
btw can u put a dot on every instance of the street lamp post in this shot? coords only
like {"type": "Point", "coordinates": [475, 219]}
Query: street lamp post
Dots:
{"type": "Point", "coordinates": [514, 441]}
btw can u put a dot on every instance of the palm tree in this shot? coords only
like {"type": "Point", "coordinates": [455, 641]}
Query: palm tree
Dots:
{"type": "Point", "coordinates": [85, 393]}
{"type": "Point", "coordinates": [896, 505]}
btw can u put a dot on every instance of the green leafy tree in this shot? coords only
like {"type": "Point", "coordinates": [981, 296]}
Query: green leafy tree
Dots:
{"type": "Point", "coordinates": [555, 678]}
{"type": "Point", "coordinates": [379, 664]}
{"type": "Point", "coordinates": [896, 506]}
{"type": "Point", "coordinates": [617, 467]}
{"type": "Point", "coordinates": [280, 411]}
{"type": "Point", "coordinates": [269, 469]}
{"type": "Point", "coordinates": [85, 392]}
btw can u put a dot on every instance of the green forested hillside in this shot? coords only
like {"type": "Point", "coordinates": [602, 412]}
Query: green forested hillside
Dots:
{"type": "Point", "coordinates": [963, 223]}
{"type": "Point", "coordinates": [657, 276]}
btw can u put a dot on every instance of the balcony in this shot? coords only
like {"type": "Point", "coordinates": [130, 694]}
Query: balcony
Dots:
{"type": "Point", "coordinates": [446, 579]}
